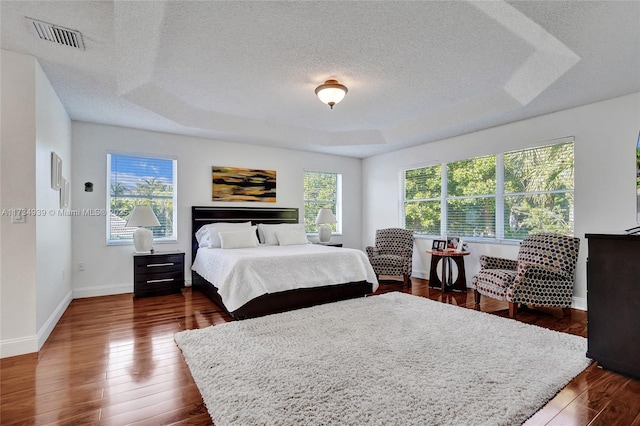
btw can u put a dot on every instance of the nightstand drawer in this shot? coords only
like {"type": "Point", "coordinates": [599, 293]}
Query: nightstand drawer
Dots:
{"type": "Point", "coordinates": [156, 264]}
{"type": "Point", "coordinates": [159, 277]}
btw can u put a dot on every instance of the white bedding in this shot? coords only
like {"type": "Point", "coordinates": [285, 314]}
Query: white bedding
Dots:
{"type": "Point", "coordinates": [244, 274]}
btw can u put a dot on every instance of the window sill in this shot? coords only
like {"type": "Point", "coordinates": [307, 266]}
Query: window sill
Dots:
{"type": "Point", "coordinates": [130, 242]}
{"type": "Point", "coordinates": [474, 240]}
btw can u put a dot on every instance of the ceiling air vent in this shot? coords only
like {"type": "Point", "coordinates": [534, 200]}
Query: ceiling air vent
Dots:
{"type": "Point", "coordinates": [57, 34]}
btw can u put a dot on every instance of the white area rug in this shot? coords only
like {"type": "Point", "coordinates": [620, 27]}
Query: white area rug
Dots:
{"type": "Point", "coordinates": [393, 359]}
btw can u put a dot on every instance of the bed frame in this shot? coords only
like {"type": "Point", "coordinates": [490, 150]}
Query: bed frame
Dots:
{"type": "Point", "coordinates": [274, 302]}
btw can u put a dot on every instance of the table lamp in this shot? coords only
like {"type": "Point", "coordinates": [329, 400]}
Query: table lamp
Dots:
{"type": "Point", "coordinates": [324, 218]}
{"type": "Point", "coordinates": [142, 238]}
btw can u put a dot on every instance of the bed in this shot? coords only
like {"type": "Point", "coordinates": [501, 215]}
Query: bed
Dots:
{"type": "Point", "coordinates": [234, 276]}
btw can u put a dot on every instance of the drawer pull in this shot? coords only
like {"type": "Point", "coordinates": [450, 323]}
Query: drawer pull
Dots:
{"type": "Point", "coordinates": [153, 265]}
{"type": "Point", "coordinates": [165, 280]}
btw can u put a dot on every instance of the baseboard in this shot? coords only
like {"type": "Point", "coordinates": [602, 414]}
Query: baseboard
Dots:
{"type": "Point", "coordinates": [108, 290]}
{"type": "Point", "coordinates": [19, 346]}
{"type": "Point", "coordinates": [30, 344]}
{"type": "Point", "coordinates": [420, 274]}
{"type": "Point", "coordinates": [579, 303]}
{"type": "Point", "coordinates": [47, 328]}
{"type": "Point", "coordinates": [425, 276]}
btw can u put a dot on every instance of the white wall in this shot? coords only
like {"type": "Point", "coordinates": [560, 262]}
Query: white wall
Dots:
{"type": "Point", "coordinates": [18, 263]}
{"type": "Point", "coordinates": [53, 231]}
{"type": "Point", "coordinates": [34, 294]}
{"type": "Point", "coordinates": [605, 134]}
{"type": "Point", "coordinates": [109, 269]}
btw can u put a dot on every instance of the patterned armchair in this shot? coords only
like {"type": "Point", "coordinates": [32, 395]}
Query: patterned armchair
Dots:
{"type": "Point", "coordinates": [393, 253]}
{"type": "Point", "coordinates": [543, 274]}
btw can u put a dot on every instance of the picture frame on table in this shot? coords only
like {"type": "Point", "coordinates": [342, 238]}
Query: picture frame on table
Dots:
{"type": "Point", "coordinates": [452, 242]}
{"type": "Point", "coordinates": [439, 245]}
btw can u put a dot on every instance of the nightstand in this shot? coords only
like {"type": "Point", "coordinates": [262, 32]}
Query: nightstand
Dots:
{"type": "Point", "coordinates": [329, 244]}
{"type": "Point", "coordinates": [158, 273]}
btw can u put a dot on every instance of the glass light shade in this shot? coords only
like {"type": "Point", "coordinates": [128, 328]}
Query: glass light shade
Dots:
{"type": "Point", "coordinates": [331, 92]}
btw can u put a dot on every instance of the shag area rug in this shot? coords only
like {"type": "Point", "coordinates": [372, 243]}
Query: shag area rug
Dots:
{"type": "Point", "coordinates": [393, 359]}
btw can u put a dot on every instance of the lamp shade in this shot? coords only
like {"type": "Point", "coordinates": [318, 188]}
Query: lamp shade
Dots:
{"type": "Point", "coordinates": [325, 216]}
{"type": "Point", "coordinates": [331, 92]}
{"type": "Point", "coordinates": [142, 216]}
{"type": "Point", "coordinates": [143, 238]}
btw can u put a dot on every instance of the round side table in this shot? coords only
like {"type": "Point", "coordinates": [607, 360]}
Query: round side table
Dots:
{"type": "Point", "coordinates": [447, 257]}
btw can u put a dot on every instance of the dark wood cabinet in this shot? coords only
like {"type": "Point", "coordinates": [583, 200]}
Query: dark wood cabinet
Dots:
{"type": "Point", "coordinates": [158, 273]}
{"type": "Point", "coordinates": [613, 302]}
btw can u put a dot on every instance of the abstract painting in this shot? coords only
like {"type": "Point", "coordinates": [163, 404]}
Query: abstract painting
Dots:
{"type": "Point", "coordinates": [238, 184]}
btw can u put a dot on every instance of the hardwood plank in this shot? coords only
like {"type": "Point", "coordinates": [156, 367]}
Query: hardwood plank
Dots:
{"type": "Point", "coordinates": [615, 408]}
{"type": "Point", "coordinates": [112, 360]}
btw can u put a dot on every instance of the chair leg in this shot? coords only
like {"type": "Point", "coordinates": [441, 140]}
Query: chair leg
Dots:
{"type": "Point", "coordinates": [406, 280]}
{"type": "Point", "coordinates": [513, 310]}
{"type": "Point", "coordinates": [476, 296]}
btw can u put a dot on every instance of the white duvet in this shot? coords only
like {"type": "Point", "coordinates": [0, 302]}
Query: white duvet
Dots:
{"type": "Point", "coordinates": [244, 274]}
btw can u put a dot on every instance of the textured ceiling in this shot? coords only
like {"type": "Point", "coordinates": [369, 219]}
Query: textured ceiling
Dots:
{"type": "Point", "coordinates": [246, 71]}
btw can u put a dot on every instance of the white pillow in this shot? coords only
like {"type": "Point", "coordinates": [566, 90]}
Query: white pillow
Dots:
{"type": "Point", "coordinates": [239, 239]}
{"type": "Point", "coordinates": [292, 237]}
{"type": "Point", "coordinates": [267, 233]}
{"type": "Point", "coordinates": [207, 235]}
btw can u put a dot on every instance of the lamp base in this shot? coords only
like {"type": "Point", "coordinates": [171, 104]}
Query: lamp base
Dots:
{"type": "Point", "coordinates": [143, 240]}
{"type": "Point", "coordinates": [324, 233]}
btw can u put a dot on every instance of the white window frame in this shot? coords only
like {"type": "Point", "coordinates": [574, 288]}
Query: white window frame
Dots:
{"type": "Point", "coordinates": [174, 238]}
{"type": "Point", "coordinates": [499, 194]}
{"type": "Point", "coordinates": [337, 204]}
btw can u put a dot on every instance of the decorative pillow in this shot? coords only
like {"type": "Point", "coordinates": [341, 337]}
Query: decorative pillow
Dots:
{"type": "Point", "coordinates": [239, 239]}
{"type": "Point", "coordinates": [207, 235]}
{"type": "Point", "coordinates": [292, 237]}
{"type": "Point", "coordinates": [267, 233]}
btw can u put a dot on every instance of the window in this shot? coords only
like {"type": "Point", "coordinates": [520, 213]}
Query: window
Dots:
{"type": "Point", "coordinates": [471, 197]}
{"type": "Point", "coordinates": [422, 193]}
{"type": "Point", "coordinates": [322, 189]}
{"type": "Point", "coordinates": [503, 196]}
{"type": "Point", "coordinates": [137, 180]}
{"type": "Point", "coordinates": [538, 191]}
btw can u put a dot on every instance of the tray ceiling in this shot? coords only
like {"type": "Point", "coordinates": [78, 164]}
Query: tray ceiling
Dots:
{"type": "Point", "coordinates": [417, 72]}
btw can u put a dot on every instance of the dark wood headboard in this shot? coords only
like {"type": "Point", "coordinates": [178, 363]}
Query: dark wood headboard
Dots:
{"type": "Point", "coordinates": [202, 215]}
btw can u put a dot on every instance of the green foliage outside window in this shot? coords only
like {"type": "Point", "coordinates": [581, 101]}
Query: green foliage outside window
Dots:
{"type": "Point", "coordinates": [538, 187]}
{"type": "Point", "coordinates": [321, 190]}
{"type": "Point", "coordinates": [422, 194]}
{"type": "Point", "coordinates": [471, 201]}
{"type": "Point", "coordinates": [534, 194]}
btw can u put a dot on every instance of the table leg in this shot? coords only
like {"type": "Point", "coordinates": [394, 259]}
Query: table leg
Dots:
{"type": "Point", "coordinates": [443, 280]}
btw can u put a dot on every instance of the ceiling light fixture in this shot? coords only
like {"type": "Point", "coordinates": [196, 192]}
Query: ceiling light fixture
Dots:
{"type": "Point", "coordinates": [331, 92]}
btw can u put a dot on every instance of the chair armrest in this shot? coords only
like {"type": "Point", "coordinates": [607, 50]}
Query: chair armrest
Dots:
{"type": "Point", "coordinates": [541, 273]}
{"type": "Point", "coordinates": [371, 251]}
{"type": "Point", "coordinates": [491, 262]}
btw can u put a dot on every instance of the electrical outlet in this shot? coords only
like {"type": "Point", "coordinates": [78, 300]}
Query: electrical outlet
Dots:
{"type": "Point", "coordinates": [81, 266]}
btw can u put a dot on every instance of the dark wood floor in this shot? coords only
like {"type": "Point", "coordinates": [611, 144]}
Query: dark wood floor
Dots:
{"type": "Point", "coordinates": [112, 360]}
